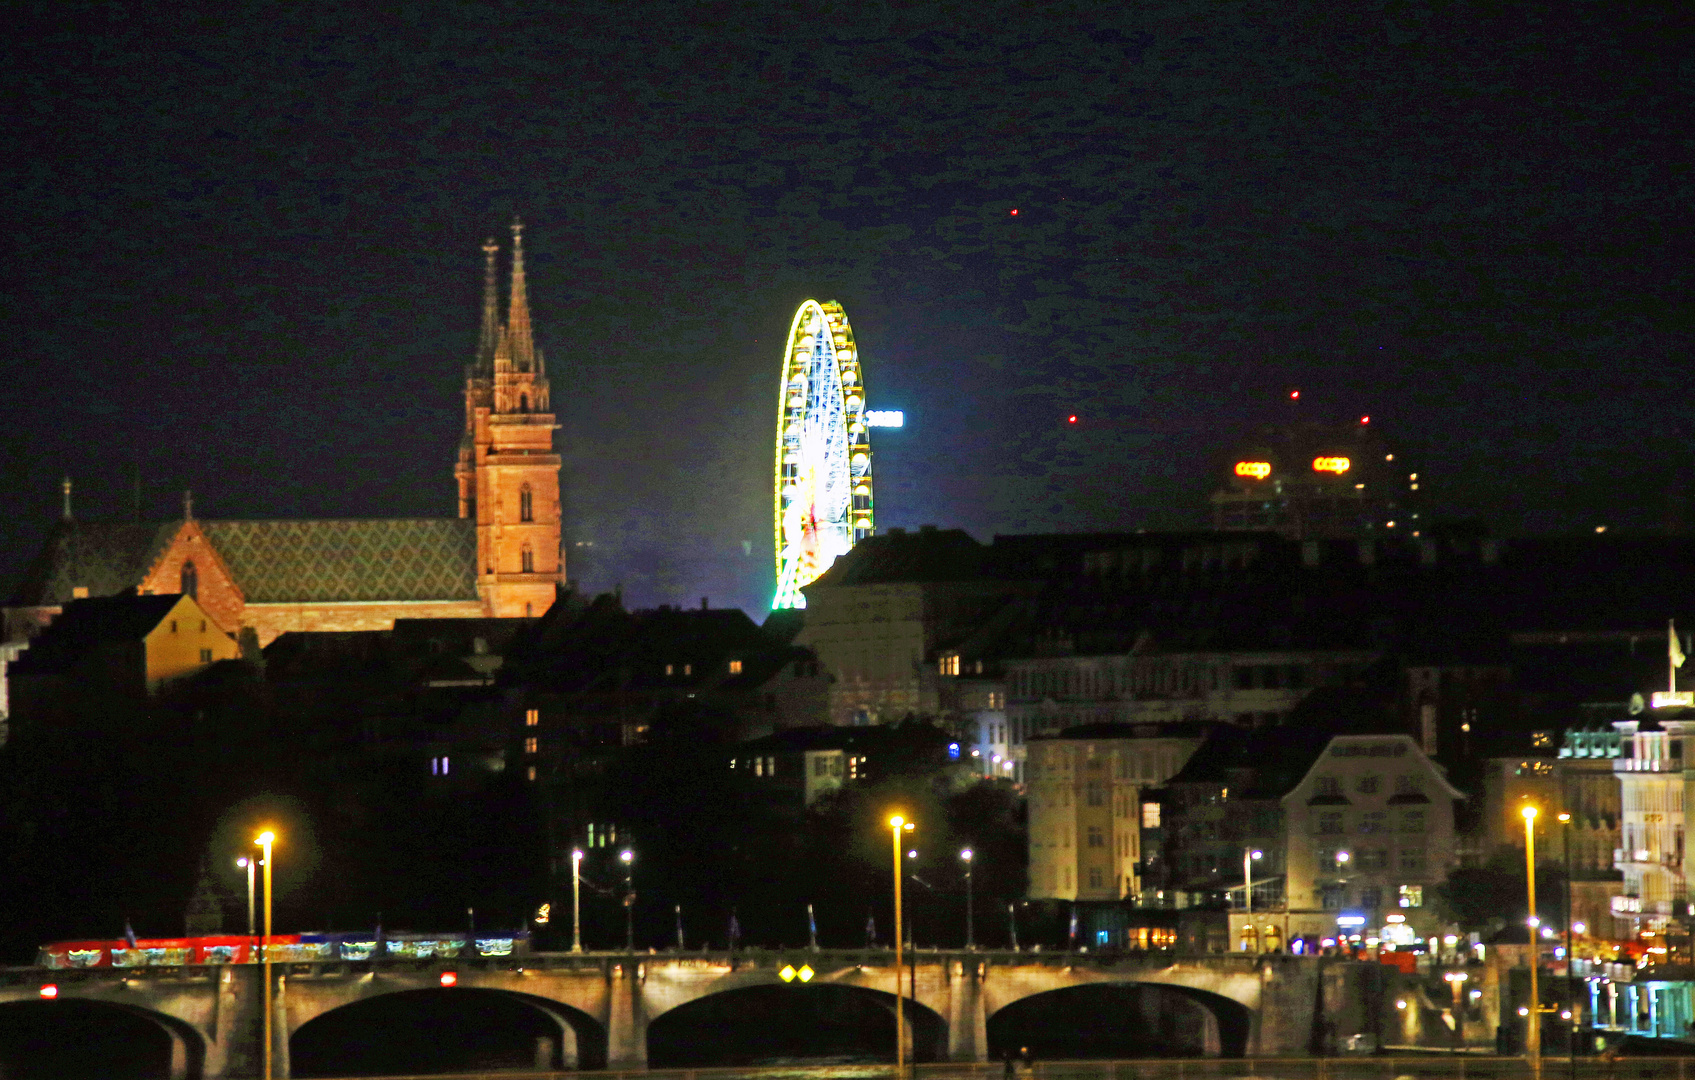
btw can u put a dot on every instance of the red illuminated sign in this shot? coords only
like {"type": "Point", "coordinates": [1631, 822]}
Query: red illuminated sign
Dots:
{"type": "Point", "coordinates": [449, 978]}
{"type": "Point", "coordinates": [1337, 465]}
{"type": "Point", "coordinates": [1258, 470]}
{"type": "Point", "coordinates": [49, 991]}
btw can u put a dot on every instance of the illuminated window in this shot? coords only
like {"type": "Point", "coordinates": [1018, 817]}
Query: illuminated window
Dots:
{"type": "Point", "coordinates": [950, 664]}
{"type": "Point", "coordinates": [1412, 895]}
{"type": "Point", "coordinates": [670, 669]}
{"type": "Point", "coordinates": [530, 774]}
{"type": "Point", "coordinates": [1150, 815]}
{"type": "Point", "coordinates": [688, 669]}
{"type": "Point", "coordinates": [532, 717]}
{"type": "Point", "coordinates": [439, 766]}
{"type": "Point", "coordinates": [526, 504]}
{"type": "Point", "coordinates": [190, 580]}
{"type": "Point", "coordinates": [531, 745]}
{"type": "Point", "coordinates": [735, 667]}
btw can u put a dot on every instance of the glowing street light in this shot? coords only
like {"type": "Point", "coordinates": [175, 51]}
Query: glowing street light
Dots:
{"type": "Point", "coordinates": [628, 858]}
{"type": "Point", "coordinates": [967, 855]}
{"type": "Point", "coordinates": [264, 840]}
{"type": "Point", "coordinates": [1248, 858]}
{"type": "Point", "coordinates": [250, 866]}
{"type": "Point", "coordinates": [576, 899]}
{"type": "Point", "coordinates": [1533, 1035]}
{"type": "Point", "coordinates": [897, 826]}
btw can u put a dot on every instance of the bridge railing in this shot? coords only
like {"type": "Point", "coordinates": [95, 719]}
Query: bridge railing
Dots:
{"type": "Point", "coordinates": [1421, 1067]}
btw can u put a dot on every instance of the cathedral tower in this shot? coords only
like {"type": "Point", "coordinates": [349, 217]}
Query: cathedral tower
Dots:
{"type": "Point", "coordinates": [508, 472]}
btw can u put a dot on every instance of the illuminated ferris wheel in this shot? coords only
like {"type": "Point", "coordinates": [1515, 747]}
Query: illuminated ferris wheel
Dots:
{"type": "Point", "coordinates": [823, 450]}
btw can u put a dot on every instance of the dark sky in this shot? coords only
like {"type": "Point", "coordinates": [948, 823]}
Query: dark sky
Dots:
{"type": "Point", "coordinates": [243, 255]}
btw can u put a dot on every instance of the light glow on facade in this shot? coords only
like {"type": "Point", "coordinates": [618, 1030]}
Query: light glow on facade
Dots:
{"type": "Point", "coordinates": [823, 459]}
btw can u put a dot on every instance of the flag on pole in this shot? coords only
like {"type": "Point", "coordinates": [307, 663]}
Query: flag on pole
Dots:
{"type": "Point", "coordinates": [129, 934]}
{"type": "Point", "coordinates": [735, 931]}
{"type": "Point", "coordinates": [1073, 926]}
{"type": "Point", "coordinates": [812, 927]}
{"type": "Point", "coordinates": [870, 930]}
{"type": "Point", "coordinates": [1674, 647]}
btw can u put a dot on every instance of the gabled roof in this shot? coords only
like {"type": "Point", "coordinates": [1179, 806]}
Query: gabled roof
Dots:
{"type": "Point", "coordinates": [287, 561]}
{"type": "Point", "coordinates": [87, 624]}
{"type": "Point", "coordinates": [349, 560]}
{"type": "Point", "coordinates": [105, 557]}
{"type": "Point", "coordinates": [929, 555]}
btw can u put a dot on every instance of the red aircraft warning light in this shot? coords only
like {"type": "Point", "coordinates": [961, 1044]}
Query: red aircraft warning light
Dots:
{"type": "Point", "coordinates": [1365, 419]}
{"type": "Point", "coordinates": [1071, 419]}
{"type": "Point", "coordinates": [49, 991]}
{"type": "Point", "coordinates": [449, 978]}
{"type": "Point", "coordinates": [1015, 211]}
{"type": "Point", "coordinates": [1294, 395]}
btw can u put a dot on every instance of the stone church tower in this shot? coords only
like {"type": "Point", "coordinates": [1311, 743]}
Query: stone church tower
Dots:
{"type": "Point", "coordinates": [508, 472]}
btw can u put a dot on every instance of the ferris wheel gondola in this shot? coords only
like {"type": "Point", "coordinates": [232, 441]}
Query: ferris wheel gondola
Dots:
{"type": "Point", "coordinates": [823, 467]}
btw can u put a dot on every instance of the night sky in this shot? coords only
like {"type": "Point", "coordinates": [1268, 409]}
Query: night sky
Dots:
{"type": "Point", "coordinates": [243, 255]}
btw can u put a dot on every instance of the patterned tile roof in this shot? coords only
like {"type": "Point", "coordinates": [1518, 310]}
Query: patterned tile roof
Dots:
{"type": "Point", "coordinates": [349, 560]}
{"type": "Point", "coordinates": [105, 557]}
{"type": "Point", "coordinates": [273, 561]}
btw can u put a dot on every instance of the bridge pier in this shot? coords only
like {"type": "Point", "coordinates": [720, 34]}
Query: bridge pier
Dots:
{"type": "Point", "coordinates": [968, 1023]}
{"type": "Point", "coordinates": [626, 1021]}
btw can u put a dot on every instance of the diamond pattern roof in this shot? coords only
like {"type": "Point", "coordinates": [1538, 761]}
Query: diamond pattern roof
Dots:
{"type": "Point", "coordinates": [273, 561]}
{"type": "Point", "coordinates": [349, 560]}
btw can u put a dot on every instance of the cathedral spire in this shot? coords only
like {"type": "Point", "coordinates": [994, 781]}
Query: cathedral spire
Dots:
{"type": "Point", "coordinates": [521, 342]}
{"type": "Point", "coordinates": [490, 335]}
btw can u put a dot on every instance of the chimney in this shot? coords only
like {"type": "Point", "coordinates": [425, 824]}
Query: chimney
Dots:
{"type": "Point", "coordinates": [703, 605]}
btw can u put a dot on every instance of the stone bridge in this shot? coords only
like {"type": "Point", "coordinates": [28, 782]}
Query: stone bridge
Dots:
{"type": "Point", "coordinates": [621, 1010]}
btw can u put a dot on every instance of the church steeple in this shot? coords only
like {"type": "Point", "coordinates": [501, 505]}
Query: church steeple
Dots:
{"type": "Point", "coordinates": [520, 340]}
{"type": "Point", "coordinates": [490, 336]}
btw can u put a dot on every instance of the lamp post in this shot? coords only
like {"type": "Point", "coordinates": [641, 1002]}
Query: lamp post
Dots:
{"type": "Point", "coordinates": [1342, 859]}
{"type": "Point", "coordinates": [967, 855]}
{"type": "Point", "coordinates": [1571, 986]}
{"type": "Point", "coordinates": [1533, 1033]}
{"type": "Point", "coordinates": [576, 899]}
{"type": "Point", "coordinates": [264, 840]}
{"type": "Point", "coordinates": [1456, 983]}
{"type": "Point", "coordinates": [251, 867]}
{"type": "Point", "coordinates": [898, 825]}
{"type": "Point", "coordinates": [628, 858]}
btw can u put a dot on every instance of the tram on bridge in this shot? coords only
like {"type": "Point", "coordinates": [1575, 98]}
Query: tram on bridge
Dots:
{"type": "Point", "coordinates": [278, 949]}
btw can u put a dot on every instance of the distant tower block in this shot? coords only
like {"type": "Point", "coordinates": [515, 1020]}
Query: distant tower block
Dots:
{"type": "Point", "coordinates": [823, 467]}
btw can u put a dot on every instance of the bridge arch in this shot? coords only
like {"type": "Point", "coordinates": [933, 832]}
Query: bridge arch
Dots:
{"type": "Point", "coordinates": [767, 1022]}
{"type": "Point", "coordinates": [421, 1031]}
{"type": "Point", "coordinates": [71, 1038]}
{"type": "Point", "coordinates": [1120, 1018]}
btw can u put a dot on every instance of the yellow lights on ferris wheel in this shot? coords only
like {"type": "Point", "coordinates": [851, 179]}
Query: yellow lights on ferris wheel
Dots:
{"type": "Point", "coordinates": [823, 482]}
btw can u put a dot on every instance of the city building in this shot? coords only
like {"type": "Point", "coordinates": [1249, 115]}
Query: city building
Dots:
{"type": "Point", "coordinates": [876, 617]}
{"type": "Point", "coordinates": [1313, 481]}
{"type": "Point", "coordinates": [1653, 775]}
{"type": "Point", "coordinates": [500, 557]}
{"type": "Point", "coordinates": [1352, 831]}
{"type": "Point", "coordinates": [126, 645]}
{"type": "Point", "coordinates": [1084, 789]}
{"type": "Point", "coordinates": [1254, 688]}
{"type": "Point", "coordinates": [804, 765]}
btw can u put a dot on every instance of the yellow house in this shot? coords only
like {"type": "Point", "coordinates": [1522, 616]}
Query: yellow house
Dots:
{"type": "Point", "coordinates": [127, 644]}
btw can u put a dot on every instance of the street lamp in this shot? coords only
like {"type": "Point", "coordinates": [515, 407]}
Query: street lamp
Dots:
{"type": "Point", "coordinates": [576, 899]}
{"type": "Point", "coordinates": [1571, 986]}
{"type": "Point", "coordinates": [898, 825]}
{"type": "Point", "coordinates": [265, 840]}
{"type": "Point", "coordinates": [250, 866]}
{"type": "Point", "coordinates": [628, 858]}
{"type": "Point", "coordinates": [1456, 983]}
{"type": "Point", "coordinates": [1248, 859]}
{"type": "Point", "coordinates": [1533, 1034]}
{"type": "Point", "coordinates": [967, 855]}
